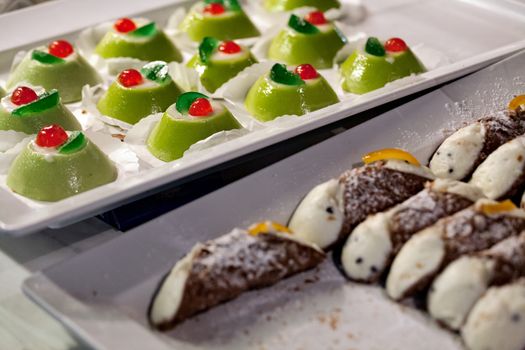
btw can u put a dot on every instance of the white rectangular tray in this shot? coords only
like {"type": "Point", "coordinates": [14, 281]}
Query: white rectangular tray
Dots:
{"type": "Point", "coordinates": [471, 34]}
{"type": "Point", "coordinates": [102, 295]}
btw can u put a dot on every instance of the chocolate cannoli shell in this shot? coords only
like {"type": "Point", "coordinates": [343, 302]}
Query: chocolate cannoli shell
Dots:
{"type": "Point", "coordinates": [376, 187]}
{"type": "Point", "coordinates": [222, 269]}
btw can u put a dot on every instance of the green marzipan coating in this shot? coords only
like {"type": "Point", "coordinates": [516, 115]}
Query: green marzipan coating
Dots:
{"type": "Point", "coordinates": [155, 48]}
{"type": "Point", "coordinates": [172, 137]}
{"type": "Point", "coordinates": [235, 25]}
{"type": "Point", "coordinates": [287, 5]}
{"type": "Point", "coordinates": [32, 124]}
{"type": "Point", "coordinates": [318, 49]}
{"type": "Point", "coordinates": [132, 104]}
{"type": "Point", "coordinates": [267, 100]}
{"type": "Point", "coordinates": [363, 72]}
{"type": "Point", "coordinates": [68, 77]}
{"type": "Point", "coordinates": [217, 72]}
{"type": "Point", "coordinates": [63, 175]}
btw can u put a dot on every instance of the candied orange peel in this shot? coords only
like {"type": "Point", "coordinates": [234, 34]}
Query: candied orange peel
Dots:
{"type": "Point", "coordinates": [267, 227]}
{"type": "Point", "coordinates": [390, 153]}
{"type": "Point", "coordinates": [498, 207]}
{"type": "Point", "coordinates": [517, 102]}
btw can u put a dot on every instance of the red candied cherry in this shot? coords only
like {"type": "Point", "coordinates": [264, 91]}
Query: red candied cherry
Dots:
{"type": "Point", "coordinates": [130, 77]}
{"type": "Point", "coordinates": [23, 95]}
{"type": "Point", "coordinates": [51, 136]}
{"type": "Point", "coordinates": [214, 9]}
{"type": "Point", "coordinates": [316, 18]}
{"type": "Point", "coordinates": [306, 71]}
{"type": "Point", "coordinates": [201, 107]}
{"type": "Point", "coordinates": [229, 47]}
{"type": "Point", "coordinates": [395, 45]}
{"type": "Point", "coordinates": [125, 25]}
{"type": "Point", "coordinates": [60, 48]}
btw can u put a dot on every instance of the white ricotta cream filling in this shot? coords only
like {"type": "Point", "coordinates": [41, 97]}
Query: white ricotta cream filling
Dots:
{"type": "Point", "coordinates": [459, 188]}
{"type": "Point", "coordinates": [498, 173]}
{"type": "Point", "coordinates": [319, 217]}
{"type": "Point", "coordinates": [419, 257]}
{"type": "Point", "coordinates": [497, 320]}
{"type": "Point", "coordinates": [168, 299]}
{"type": "Point", "coordinates": [366, 251]}
{"type": "Point", "coordinates": [405, 167]}
{"type": "Point", "coordinates": [456, 155]}
{"type": "Point", "coordinates": [457, 288]}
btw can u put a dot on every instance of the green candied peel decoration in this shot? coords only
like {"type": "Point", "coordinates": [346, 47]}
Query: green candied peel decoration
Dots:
{"type": "Point", "coordinates": [46, 58]}
{"type": "Point", "coordinates": [156, 71]}
{"type": "Point", "coordinates": [374, 47]}
{"type": "Point", "coordinates": [232, 5]}
{"type": "Point", "coordinates": [302, 26]}
{"type": "Point", "coordinates": [207, 47]}
{"type": "Point", "coordinates": [74, 143]}
{"type": "Point", "coordinates": [45, 101]}
{"type": "Point", "coordinates": [186, 99]}
{"type": "Point", "coordinates": [281, 75]}
{"type": "Point", "coordinates": [146, 30]}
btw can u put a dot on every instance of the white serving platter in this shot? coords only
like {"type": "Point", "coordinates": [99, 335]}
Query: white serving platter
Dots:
{"type": "Point", "coordinates": [102, 295]}
{"type": "Point", "coordinates": [470, 34]}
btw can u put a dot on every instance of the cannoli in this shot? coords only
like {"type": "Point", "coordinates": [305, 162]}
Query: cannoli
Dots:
{"type": "Point", "coordinates": [373, 243]}
{"type": "Point", "coordinates": [463, 282]}
{"type": "Point", "coordinates": [430, 250]}
{"type": "Point", "coordinates": [502, 174]}
{"type": "Point", "coordinates": [331, 210]}
{"type": "Point", "coordinates": [221, 269]}
{"type": "Point", "coordinates": [497, 321]}
{"type": "Point", "coordinates": [461, 153]}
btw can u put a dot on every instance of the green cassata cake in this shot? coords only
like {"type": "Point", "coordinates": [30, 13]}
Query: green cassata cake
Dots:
{"type": "Point", "coordinates": [221, 19]}
{"type": "Point", "coordinates": [217, 62]}
{"type": "Point", "coordinates": [137, 39]}
{"type": "Point", "coordinates": [26, 111]}
{"type": "Point", "coordinates": [287, 5]}
{"type": "Point", "coordinates": [193, 118]}
{"type": "Point", "coordinates": [57, 66]}
{"type": "Point", "coordinates": [2, 92]}
{"type": "Point", "coordinates": [59, 164]}
{"type": "Point", "coordinates": [137, 94]}
{"type": "Point", "coordinates": [313, 40]}
{"type": "Point", "coordinates": [378, 64]}
{"type": "Point", "coordinates": [282, 92]}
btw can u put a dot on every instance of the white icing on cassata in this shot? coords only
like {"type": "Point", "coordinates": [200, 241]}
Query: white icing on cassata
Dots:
{"type": "Point", "coordinates": [497, 320]}
{"type": "Point", "coordinates": [459, 152]}
{"type": "Point", "coordinates": [420, 256]}
{"type": "Point", "coordinates": [502, 168]}
{"type": "Point", "coordinates": [174, 114]}
{"type": "Point", "coordinates": [168, 299]}
{"type": "Point", "coordinates": [459, 188]}
{"type": "Point", "coordinates": [313, 221]}
{"type": "Point", "coordinates": [10, 106]}
{"type": "Point", "coordinates": [405, 167]}
{"type": "Point", "coordinates": [458, 287]}
{"type": "Point", "coordinates": [221, 56]}
{"type": "Point", "coordinates": [367, 249]}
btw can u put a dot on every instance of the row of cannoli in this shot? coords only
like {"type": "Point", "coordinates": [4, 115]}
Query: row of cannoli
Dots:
{"type": "Point", "coordinates": [395, 222]}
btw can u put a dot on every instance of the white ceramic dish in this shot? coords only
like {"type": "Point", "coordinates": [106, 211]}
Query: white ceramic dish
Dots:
{"type": "Point", "coordinates": [102, 295]}
{"type": "Point", "coordinates": [475, 34]}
